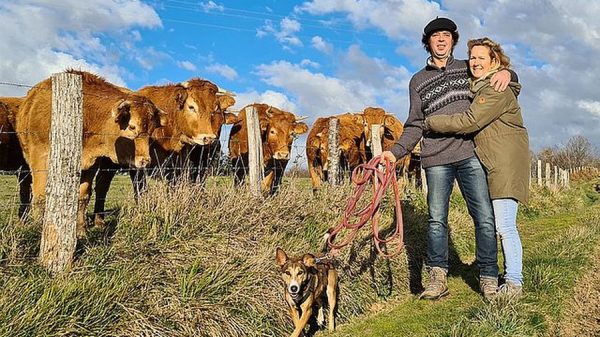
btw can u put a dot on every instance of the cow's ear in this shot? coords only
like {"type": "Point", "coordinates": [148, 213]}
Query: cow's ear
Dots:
{"type": "Point", "coordinates": [280, 257]}
{"type": "Point", "coordinates": [309, 260]}
{"type": "Point", "coordinates": [230, 118]}
{"type": "Point", "coordinates": [162, 117]}
{"type": "Point", "coordinates": [346, 144]}
{"type": "Point", "coordinates": [315, 143]}
{"type": "Point", "coordinates": [181, 98]}
{"type": "Point", "coordinates": [300, 128]}
{"type": "Point", "coordinates": [264, 123]}
{"type": "Point", "coordinates": [389, 120]}
{"type": "Point", "coordinates": [225, 101]}
{"type": "Point", "coordinates": [121, 111]}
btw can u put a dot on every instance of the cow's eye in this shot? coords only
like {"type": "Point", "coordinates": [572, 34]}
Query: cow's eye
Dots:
{"type": "Point", "coordinates": [191, 107]}
{"type": "Point", "coordinates": [131, 127]}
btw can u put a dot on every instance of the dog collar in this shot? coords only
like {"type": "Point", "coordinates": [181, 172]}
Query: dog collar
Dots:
{"type": "Point", "coordinates": [306, 293]}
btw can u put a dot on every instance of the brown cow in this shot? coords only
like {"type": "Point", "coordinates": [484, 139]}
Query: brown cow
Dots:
{"type": "Point", "coordinates": [11, 154]}
{"type": "Point", "coordinates": [201, 156]}
{"type": "Point", "coordinates": [195, 113]}
{"type": "Point", "coordinates": [116, 125]}
{"type": "Point", "coordinates": [278, 129]}
{"type": "Point", "coordinates": [351, 141]}
{"type": "Point", "coordinates": [390, 130]}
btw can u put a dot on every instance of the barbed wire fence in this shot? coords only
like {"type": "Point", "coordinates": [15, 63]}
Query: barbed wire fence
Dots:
{"type": "Point", "coordinates": [214, 161]}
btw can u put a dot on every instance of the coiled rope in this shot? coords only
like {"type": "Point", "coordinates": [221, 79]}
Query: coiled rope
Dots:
{"type": "Point", "coordinates": [380, 179]}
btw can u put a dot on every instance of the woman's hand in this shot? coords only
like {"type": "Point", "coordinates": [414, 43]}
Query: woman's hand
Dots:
{"type": "Point", "coordinates": [388, 156]}
{"type": "Point", "coordinates": [500, 80]}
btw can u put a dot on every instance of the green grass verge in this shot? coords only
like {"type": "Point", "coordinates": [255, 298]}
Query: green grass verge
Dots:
{"type": "Point", "coordinates": [557, 248]}
{"type": "Point", "coordinates": [193, 262]}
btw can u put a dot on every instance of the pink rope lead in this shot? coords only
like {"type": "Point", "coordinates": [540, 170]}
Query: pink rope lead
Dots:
{"type": "Point", "coordinates": [381, 179]}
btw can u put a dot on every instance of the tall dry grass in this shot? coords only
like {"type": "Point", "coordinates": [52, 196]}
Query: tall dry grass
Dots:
{"type": "Point", "coordinates": [188, 261]}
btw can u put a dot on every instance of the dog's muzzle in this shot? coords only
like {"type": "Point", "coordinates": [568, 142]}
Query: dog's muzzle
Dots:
{"type": "Point", "coordinates": [294, 291]}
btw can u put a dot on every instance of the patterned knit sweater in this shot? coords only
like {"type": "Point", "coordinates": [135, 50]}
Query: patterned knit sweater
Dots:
{"type": "Point", "coordinates": [435, 91]}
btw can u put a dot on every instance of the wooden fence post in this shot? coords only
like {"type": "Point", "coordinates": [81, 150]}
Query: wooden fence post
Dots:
{"type": "Point", "coordinates": [59, 239]}
{"type": "Point", "coordinates": [539, 172]}
{"type": "Point", "coordinates": [376, 144]}
{"type": "Point", "coordinates": [255, 154]}
{"type": "Point", "coordinates": [547, 177]}
{"type": "Point", "coordinates": [555, 176]}
{"type": "Point", "coordinates": [375, 140]}
{"type": "Point", "coordinates": [333, 163]}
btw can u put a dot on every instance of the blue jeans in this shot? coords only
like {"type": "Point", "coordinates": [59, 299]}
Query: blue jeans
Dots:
{"type": "Point", "coordinates": [505, 211]}
{"type": "Point", "coordinates": [473, 185]}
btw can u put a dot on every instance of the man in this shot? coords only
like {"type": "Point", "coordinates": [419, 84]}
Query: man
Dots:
{"type": "Point", "coordinates": [442, 87]}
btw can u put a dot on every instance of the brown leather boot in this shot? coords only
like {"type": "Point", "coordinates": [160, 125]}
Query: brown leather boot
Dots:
{"type": "Point", "coordinates": [510, 291]}
{"type": "Point", "coordinates": [437, 286]}
{"type": "Point", "coordinates": [488, 286]}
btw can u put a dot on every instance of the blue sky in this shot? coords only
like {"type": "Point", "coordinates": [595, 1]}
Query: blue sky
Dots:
{"type": "Point", "coordinates": [314, 58]}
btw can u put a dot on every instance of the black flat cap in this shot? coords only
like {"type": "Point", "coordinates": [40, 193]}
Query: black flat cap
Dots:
{"type": "Point", "coordinates": [438, 24]}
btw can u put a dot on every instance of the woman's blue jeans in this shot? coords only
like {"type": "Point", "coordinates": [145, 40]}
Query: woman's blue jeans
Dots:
{"type": "Point", "coordinates": [473, 185]}
{"type": "Point", "coordinates": [505, 211]}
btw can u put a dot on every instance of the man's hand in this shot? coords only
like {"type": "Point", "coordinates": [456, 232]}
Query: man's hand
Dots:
{"type": "Point", "coordinates": [388, 156]}
{"type": "Point", "coordinates": [500, 80]}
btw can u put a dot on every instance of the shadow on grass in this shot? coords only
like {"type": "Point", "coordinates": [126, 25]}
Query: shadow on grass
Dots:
{"type": "Point", "coordinates": [99, 236]}
{"type": "Point", "coordinates": [415, 239]}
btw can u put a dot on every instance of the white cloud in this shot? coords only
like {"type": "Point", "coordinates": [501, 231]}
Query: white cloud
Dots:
{"type": "Point", "coordinates": [41, 37]}
{"type": "Point", "coordinates": [359, 82]}
{"type": "Point", "coordinates": [397, 18]}
{"type": "Point", "coordinates": [321, 45]}
{"type": "Point", "coordinates": [211, 6]}
{"type": "Point", "coordinates": [223, 70]}
{"type": "Point", "coordinates": [552, 44]}
{"type": "Point", "coordinates": [286, 34]}
{"type": "Point", "coordinates": [309, 63]}
{"type": "Point", "coordinates": [274, 98]}
{"type": "Point", "coordinates": [590, 106]}
{"type": "Point", "coordinates": [187, 65]}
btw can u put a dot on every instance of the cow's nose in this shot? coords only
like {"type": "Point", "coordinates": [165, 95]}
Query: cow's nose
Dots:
{"type": "Point", "coordinates": [205, 139]}
{"type": "Point", "coordinates": [281, 155]}
{"type": "Point", "coordinates": [141, 162]}
{"type": "Point", "coordinates": [294, 289]}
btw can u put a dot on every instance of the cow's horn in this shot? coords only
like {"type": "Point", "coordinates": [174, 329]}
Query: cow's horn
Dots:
{"type": "Point", "coordinates": [222, 91]}
{"type": "Point", "coordinates": [301, 118]}
{"type": "Point", "coordinates": [185, 84]}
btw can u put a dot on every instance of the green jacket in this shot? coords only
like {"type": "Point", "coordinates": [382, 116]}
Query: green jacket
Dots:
{"type": "Point", "coordinates": [501, 140]}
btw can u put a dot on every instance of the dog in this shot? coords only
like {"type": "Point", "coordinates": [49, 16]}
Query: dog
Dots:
{"type": "Point", "coordinates": [309, 281]}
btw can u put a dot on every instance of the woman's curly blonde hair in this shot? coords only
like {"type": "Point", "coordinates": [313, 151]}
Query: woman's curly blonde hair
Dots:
{"type": "Point", "coordinates": [496, 52]}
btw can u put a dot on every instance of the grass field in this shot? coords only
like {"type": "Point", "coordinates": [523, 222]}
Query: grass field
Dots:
{"type": "Point", "coordinates": [200, 262]}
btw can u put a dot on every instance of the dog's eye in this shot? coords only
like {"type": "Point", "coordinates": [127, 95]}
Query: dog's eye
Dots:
{"type": "Point", "coordinates": [301, 273]}
{"type": "Point", "coordinates": [288, 273]}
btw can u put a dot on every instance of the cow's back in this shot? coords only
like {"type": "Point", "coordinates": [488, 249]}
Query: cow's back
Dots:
{"type": "Point", "coordinates": [33, 119]}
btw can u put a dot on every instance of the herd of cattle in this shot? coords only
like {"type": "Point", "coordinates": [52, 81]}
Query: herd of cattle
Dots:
{"type": "Point", "coordinates": [168, 127]}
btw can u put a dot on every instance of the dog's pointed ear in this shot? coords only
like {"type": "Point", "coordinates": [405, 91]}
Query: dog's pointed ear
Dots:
{"type": "Point", "coordinates": [309, 260]}
{"type": "Point", "coordinates": [280, 257]}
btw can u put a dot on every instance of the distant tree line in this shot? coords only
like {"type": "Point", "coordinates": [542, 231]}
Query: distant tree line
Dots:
{"type": "Point", "coordinates": [577, 152]}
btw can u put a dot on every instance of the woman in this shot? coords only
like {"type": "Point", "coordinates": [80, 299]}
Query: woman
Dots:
{"type": "Point", "coordinates": [502, 146]}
